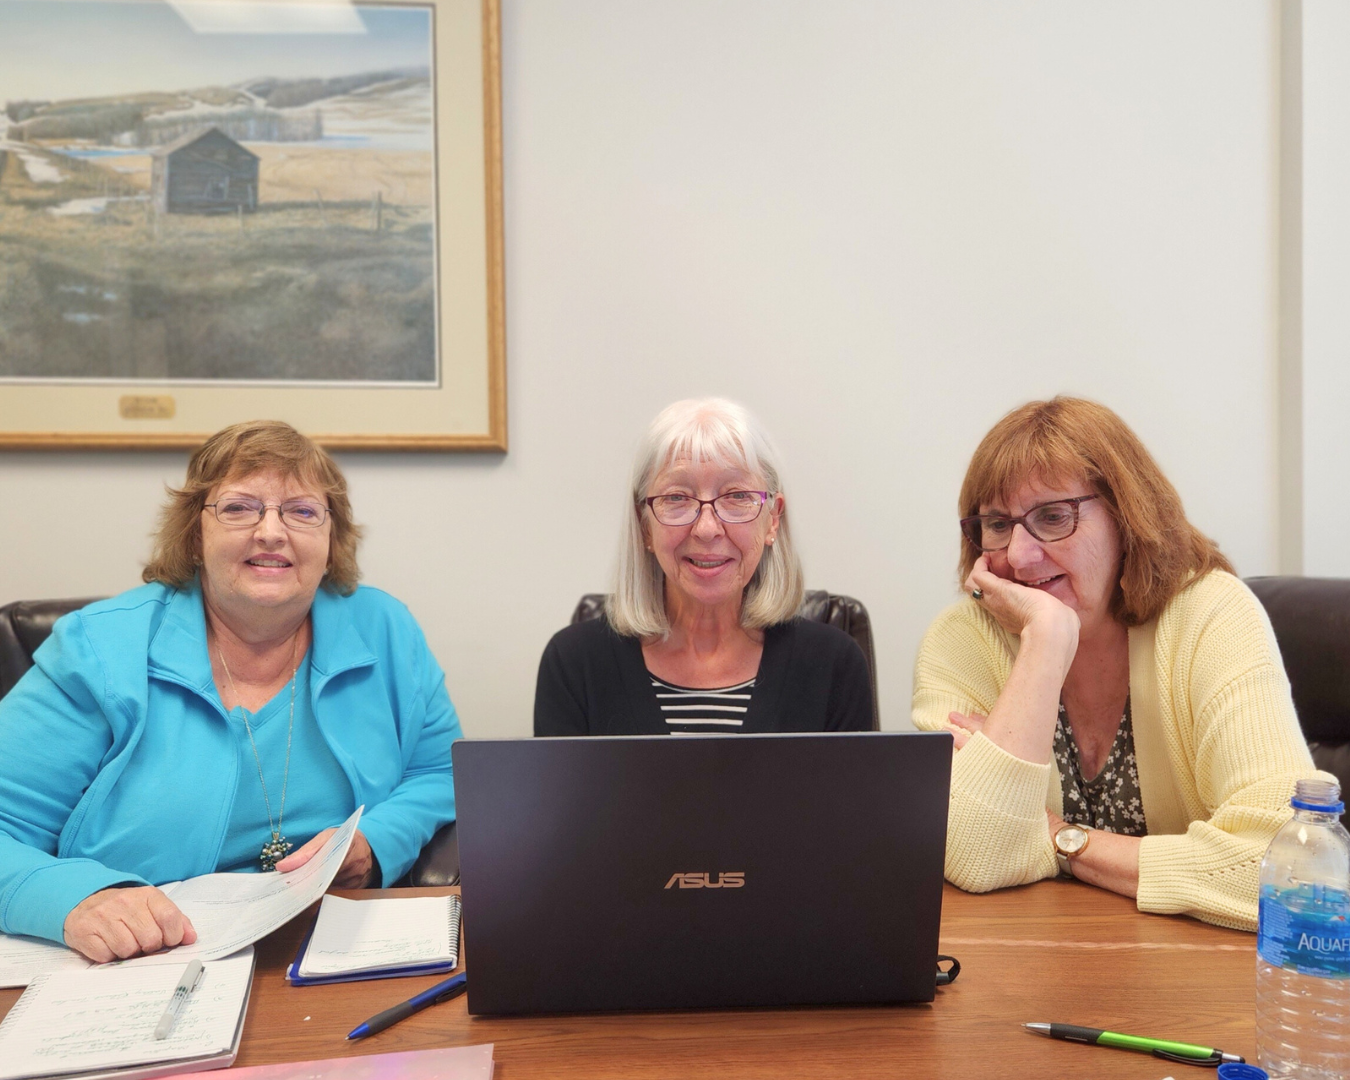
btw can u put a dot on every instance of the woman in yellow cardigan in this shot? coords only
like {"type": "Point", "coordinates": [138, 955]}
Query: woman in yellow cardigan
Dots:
{"type": "Point", "coordinates": [1120, 710]}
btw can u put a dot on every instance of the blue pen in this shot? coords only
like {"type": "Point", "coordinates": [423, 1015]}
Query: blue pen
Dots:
{"type": "Point", "coordinates": [442, 991]}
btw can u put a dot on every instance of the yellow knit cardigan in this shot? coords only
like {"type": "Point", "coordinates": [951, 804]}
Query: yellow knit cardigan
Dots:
{"type": "Point", "coordinates": [1216, 741]}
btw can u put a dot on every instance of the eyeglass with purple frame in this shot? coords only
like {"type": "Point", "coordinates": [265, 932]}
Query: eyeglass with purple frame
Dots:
{"type": "Point", "coordinates": [1048, 522]}
{"type": "Point", "coordinates": [733, 507]}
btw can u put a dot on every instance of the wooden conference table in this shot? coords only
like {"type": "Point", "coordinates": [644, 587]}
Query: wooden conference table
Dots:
{"type": "Point", "coordinates": [1055, 951]}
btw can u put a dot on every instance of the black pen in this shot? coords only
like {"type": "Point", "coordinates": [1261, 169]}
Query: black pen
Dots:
{"type": "Point", "coordinates": [1187, 1053]}
{"type": "Point", "coordinates": [442, 991]}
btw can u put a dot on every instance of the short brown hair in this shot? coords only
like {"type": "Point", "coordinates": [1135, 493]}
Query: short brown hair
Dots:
{"type": "Point", "coordinates": [1070, 438]}
{"type": "Point", "coordinates": [241, 450]}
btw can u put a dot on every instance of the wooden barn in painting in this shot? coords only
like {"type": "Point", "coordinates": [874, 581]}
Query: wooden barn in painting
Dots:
{"type": "Point", "coordinates": [204, 172]}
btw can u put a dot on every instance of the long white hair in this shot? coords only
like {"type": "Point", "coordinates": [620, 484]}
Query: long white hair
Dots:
{"type": "Point", "coordinates": [701, 430]}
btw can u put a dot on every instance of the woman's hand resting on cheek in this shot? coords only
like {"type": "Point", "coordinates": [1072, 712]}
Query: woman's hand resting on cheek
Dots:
{"type": "Point", "coordinates": [1023, 611]}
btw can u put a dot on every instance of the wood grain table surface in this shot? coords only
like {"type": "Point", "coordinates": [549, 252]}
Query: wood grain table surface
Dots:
{"type": "Point", "coordinates": [1055, 951]}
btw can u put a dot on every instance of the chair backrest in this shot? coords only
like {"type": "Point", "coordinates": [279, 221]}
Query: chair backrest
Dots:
{"type": "Point", "coordinates": [843, 612]}
{"type": "Point", "coordinates": [24, 625]}
{"type": "Point", "coordinates": [1311, 619]}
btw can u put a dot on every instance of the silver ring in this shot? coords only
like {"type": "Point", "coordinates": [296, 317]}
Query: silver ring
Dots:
{"type": "Point", "coordinates": [977, 594]}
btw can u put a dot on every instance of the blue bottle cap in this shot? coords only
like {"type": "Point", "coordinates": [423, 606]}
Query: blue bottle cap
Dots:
{"type": "Point", "coordinates": [1234, 1070]}
{"type": "Point", "coordinates": [1337, 807]}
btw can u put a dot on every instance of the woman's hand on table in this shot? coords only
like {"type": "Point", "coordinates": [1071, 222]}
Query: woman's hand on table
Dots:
{"type": "Point", "coordinates": [357, 869]}
{"type": "Point", "coordinates": [117, 923]}
{"type": "Point", "coordinates": [1110, 861]}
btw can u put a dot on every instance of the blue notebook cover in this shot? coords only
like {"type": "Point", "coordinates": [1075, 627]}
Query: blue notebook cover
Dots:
{"type": "Point", "coordinates": [294, 977]}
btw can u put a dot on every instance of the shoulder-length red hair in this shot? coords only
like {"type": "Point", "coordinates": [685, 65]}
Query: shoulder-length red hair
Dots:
{"type": "Point", "coordinates": [1073, 439]}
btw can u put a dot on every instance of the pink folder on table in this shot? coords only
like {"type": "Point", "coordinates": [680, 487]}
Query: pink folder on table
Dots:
{"type": "Point", "coordinates": [450, 1063]}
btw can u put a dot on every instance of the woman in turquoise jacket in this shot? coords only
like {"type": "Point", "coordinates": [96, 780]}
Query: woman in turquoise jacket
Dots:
{"type": "Point", "coordinates": [250, 692]}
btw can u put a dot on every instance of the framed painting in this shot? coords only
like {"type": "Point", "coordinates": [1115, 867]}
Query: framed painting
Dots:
{"type": "Point", "coordinates": [223, 210]}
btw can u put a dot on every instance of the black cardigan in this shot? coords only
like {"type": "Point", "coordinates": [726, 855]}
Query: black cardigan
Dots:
{"type": "Point", "coordinates": [812, 677]}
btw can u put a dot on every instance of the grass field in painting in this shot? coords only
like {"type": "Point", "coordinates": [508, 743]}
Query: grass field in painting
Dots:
{"type": "Point", "coordinates": [331, 278]}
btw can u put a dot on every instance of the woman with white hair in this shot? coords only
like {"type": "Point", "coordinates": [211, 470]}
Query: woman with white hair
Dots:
{"type": "Point", "coordinates": [700, 633]}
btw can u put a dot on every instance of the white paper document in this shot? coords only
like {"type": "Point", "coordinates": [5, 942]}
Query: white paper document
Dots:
{"type": "Point", "coordinates": [229, 911]}
{"type": "Point", "coordinates": [368, 935]}
{"type": "Point", "coordinates": [104, 1018]}
{"type": "Point", "coordinates": [23, 958]}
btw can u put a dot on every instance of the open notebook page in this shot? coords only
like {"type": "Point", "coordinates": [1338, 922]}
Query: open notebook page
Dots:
{"type": "Point", "coordinates": [104, 1018]}
{"type": "Point", "coordinates": [366, 935]}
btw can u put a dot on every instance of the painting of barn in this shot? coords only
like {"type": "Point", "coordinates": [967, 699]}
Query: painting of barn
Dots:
{"type": "Point", "coordinates": [204, 172]}
{"type": "Point", "coordinates": [233, 207]}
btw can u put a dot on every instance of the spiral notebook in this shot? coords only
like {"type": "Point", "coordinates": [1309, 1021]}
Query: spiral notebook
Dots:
{"type": "Point", "coordinates": [378, 939]}
{"type": "Point", "coordinates": [101, 1022]}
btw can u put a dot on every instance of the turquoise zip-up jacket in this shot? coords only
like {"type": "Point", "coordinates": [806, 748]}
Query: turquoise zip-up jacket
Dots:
{"type": "Point", "coordinates": [117, 763]}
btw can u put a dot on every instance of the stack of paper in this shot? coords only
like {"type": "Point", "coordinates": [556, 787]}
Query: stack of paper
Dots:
{"type": "Point", "coordinates": [71, 1023]}
{"type": "Point", "coordinates": [22, 959]}
{"type": "Point", "coordinates": [379, 939]}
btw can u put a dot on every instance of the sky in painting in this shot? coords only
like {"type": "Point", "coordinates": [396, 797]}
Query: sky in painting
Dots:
{"type": "Point", "coordinates": [55, 49]}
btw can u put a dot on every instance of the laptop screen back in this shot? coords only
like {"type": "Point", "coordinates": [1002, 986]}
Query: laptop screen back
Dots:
{"type": "Point", "coordinates": [701, 871]}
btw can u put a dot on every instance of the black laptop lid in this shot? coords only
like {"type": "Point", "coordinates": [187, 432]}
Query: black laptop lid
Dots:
{"type": "Point", "coordinates": [664, 872]}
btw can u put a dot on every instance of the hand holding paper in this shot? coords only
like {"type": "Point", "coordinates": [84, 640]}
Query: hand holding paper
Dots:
{"type": "Point", "coordinates": [357, 868]}
{"type": "Point", "coordinates": [230, 911]}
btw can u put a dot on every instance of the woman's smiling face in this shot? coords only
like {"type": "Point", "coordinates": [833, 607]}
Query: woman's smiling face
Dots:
{"type": "Point", "coordinates": [267, 565]}
{"type": "Point", "coordinates": [709, 562]}
{"type": "Point", "coordinates": [1083, 570]}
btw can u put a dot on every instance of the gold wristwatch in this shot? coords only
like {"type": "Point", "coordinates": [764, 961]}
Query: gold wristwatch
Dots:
{"type": "Point", "coordinates": [1070, 841]}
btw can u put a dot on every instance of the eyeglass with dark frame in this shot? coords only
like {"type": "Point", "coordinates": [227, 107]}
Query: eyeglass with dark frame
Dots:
{"type": "Point", "coordinates": [245, 513]}
{"type": "Point", "coordinates": [1048, 522]}
{"type": "Point", "coordinates": [733, 507]}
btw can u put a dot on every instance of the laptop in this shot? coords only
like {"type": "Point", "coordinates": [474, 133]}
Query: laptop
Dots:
{"type": "Point", "coordinates": [701, 871]}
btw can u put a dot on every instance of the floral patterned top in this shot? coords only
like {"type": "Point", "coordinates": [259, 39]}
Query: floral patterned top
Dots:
{"type": "Point", "coordinates": [1110, 800]}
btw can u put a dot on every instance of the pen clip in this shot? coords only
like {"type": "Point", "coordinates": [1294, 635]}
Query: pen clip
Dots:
{"type": "Point", "coordinates": [1213, 1061]}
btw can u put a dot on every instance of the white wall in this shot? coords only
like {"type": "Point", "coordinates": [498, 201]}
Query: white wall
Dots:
{"type": "Point", "coordinates": [879, 225]}
{"type": "Point", "coordinates": [1326, 287]}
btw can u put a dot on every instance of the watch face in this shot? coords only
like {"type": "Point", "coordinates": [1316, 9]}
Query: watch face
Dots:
{"type": "Point", "coordinates": [1071, 839]}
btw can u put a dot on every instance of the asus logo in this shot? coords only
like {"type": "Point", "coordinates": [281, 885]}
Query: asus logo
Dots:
{"type": "Point", "coordinates": [724, 880]}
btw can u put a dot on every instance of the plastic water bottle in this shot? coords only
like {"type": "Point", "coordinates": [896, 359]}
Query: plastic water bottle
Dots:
{"type": "Point", "coordinates": [1303, 942]}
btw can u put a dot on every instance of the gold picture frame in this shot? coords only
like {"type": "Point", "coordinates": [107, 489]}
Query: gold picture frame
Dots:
{"type": "Point", "coordinates": [460, 404]}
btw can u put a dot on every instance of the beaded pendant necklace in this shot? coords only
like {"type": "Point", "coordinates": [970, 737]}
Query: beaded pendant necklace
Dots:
{"type": "Point", "coordinates": [276, 847]}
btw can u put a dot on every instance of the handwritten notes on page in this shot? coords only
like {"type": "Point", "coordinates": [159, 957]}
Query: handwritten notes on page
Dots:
{"type": "Point", "coordinates": [373, 935]}
{"type": "Point", "coordinates": [24, 958]}
{"type": "Point", "coordinates": [104, 1018]}
{"type": "Point", "coordinates": [230, 911]}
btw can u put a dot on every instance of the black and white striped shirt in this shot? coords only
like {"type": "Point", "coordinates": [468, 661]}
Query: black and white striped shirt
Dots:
{"type": "Point", "coordinates": [686, 710]}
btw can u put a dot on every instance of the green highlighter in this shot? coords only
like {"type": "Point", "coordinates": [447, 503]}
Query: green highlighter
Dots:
{"type": "Point", "coordinates": [1186, 1053]}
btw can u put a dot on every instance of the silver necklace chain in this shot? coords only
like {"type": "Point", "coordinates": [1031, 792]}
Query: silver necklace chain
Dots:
{"type": "Point", "coordinates": [275, 849]}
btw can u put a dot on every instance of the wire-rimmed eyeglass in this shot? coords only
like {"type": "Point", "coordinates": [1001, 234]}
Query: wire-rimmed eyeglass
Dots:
{"type": "Point", "coordinates": [733, 507]}
{"type": "Point", "coordinates": [245, 513]}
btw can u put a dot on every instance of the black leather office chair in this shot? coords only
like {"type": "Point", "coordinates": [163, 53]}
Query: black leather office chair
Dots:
{"type": "Point", "coordinates": [1311, 618]}
{"type": "Point", "coordinates": [840, 611]}
{"type": "Point", "coordinates": [26, 624]}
